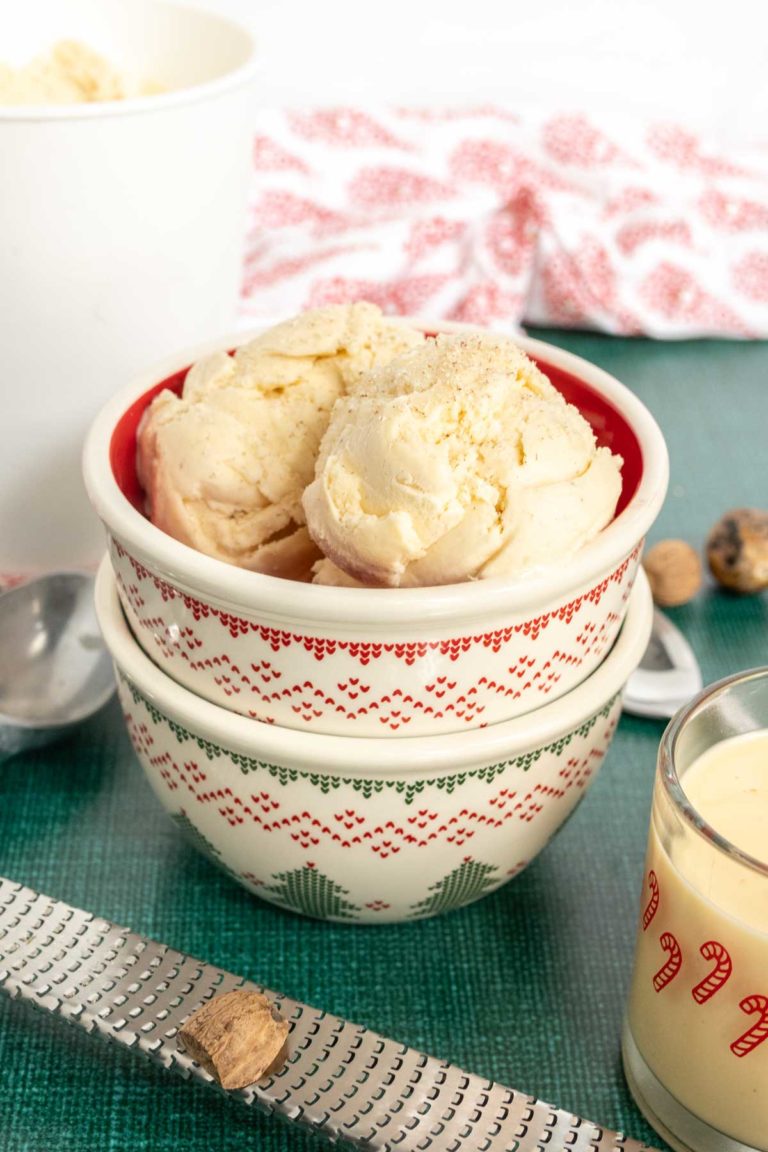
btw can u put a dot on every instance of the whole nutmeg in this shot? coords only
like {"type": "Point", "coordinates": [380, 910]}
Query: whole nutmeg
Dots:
{"type": "Point", "coordinates": [737, 550]}
{"type": "Point", "coordinates": [673, 569]}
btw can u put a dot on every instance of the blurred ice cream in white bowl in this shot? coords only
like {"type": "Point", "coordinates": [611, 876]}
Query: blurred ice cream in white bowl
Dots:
{"type": "Point", "coordinates": [493, 642]}
{"type": "Point", "coordinates": [125, 132]}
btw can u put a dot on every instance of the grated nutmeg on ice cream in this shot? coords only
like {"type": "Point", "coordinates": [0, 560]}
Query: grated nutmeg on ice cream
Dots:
{"type": "Point", "coordinates": [348, 449]}
{"type": "Point", "coordinates": [457, 460]}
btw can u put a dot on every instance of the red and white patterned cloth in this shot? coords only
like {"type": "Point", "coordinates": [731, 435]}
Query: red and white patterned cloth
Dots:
{"type": "Point", "coordinates": [487, 216]}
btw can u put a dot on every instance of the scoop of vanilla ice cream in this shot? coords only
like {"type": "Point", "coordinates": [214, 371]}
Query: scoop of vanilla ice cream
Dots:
{"type": "Point", "coordinates": [70, 73]}
{"type": "Point", "coordinates": [458, 459]}
{"type": "Point", "coordinates": [225, 464]}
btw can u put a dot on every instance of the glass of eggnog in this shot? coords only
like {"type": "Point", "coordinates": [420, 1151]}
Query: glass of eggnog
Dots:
{"type": "Point", "coordinates": [695, 1041]}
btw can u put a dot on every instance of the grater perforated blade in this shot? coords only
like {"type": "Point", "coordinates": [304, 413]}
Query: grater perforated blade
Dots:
{"type": "Point", "coordinates": [340, 1080]}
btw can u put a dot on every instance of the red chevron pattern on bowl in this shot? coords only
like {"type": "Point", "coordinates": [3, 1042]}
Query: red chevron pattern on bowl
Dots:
{"type": "Point", "coordinates": [380, 850]}
{"type": "Point", "coordinates": [365, 686]}
{"type": "Point", "coordinates": [364, 829]}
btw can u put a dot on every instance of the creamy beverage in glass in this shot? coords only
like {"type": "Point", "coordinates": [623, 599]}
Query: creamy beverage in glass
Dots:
{"type": "Point", "coordinates": [696, 1032]}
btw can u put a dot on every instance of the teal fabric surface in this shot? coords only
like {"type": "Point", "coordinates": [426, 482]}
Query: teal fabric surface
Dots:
{"type": "Point", "coordinates": [526, 986]}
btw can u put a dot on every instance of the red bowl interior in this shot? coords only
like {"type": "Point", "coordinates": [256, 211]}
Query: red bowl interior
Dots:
{"type": "Point", "coordinates": [609, 426]}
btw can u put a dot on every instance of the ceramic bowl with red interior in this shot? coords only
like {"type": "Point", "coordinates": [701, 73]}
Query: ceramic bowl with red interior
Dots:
{"type": "Point", "coordinates": [389, 662]}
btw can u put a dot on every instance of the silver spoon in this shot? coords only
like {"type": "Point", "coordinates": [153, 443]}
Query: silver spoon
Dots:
{"type": "Point", "coordinates": [54, 669]}
{"type": "Point", "coordinates": [668, 674]}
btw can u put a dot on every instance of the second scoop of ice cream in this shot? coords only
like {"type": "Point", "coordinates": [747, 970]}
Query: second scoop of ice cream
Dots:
{"type": "Point", "coordinates": [457, 460]}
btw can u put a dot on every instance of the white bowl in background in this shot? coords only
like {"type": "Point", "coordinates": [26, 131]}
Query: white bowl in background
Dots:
{"type": "Point", "coordinates": [121, 238]}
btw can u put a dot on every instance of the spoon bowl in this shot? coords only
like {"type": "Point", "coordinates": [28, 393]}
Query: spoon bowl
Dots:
{"type": "Point", "coordinates": [668, 675]}
{"type": "Point", "coordinates": [54, 669]}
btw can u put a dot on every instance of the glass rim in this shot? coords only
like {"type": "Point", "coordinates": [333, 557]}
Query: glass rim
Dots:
{"type": "Point", "coordinates": [690, 815]}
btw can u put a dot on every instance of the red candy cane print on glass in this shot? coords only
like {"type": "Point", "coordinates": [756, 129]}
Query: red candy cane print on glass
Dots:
{"type": "Point", "coordinates": [694, 1041]}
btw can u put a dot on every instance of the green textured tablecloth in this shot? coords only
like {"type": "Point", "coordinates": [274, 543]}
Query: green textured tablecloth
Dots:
{"type": "Point", "coordinates": [526, 986]}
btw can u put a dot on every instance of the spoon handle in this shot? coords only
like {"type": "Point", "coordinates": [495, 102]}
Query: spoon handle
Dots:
{"type": "Point", "coordinates": [340, 1079]}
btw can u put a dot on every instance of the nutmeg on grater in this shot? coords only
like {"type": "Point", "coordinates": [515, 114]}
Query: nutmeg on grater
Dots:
{"type": "Point", "coordinates": [238, 1037]}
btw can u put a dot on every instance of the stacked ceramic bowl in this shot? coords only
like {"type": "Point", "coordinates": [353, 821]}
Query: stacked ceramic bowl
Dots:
{"type": "Point", "coordinates": [368, 754]}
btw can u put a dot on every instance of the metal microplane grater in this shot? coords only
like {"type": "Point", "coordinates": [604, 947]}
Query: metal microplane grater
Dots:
{"type": "Point", "coordinates": [340, 1080]}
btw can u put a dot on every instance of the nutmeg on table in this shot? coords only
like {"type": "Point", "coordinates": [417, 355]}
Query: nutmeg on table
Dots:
{"type": "Point", "coordinates": [737, 550]}
{"type": "Point", "coordinates": [673, 568]}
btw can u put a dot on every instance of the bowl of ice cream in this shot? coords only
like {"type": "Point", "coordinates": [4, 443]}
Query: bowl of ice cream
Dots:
{"type": "Point", "coordinates": [360, 829]}
{"type": "Point", "coordinates": [126, 134]}
{"type": "Point", "coordinates": [355, 527]}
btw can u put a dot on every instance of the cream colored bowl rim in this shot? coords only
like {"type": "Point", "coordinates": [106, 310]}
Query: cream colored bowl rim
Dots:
{"type": "Point", "coordinates": [364, 756]}
{"type": "Point", "coordinates": [243, 592]}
